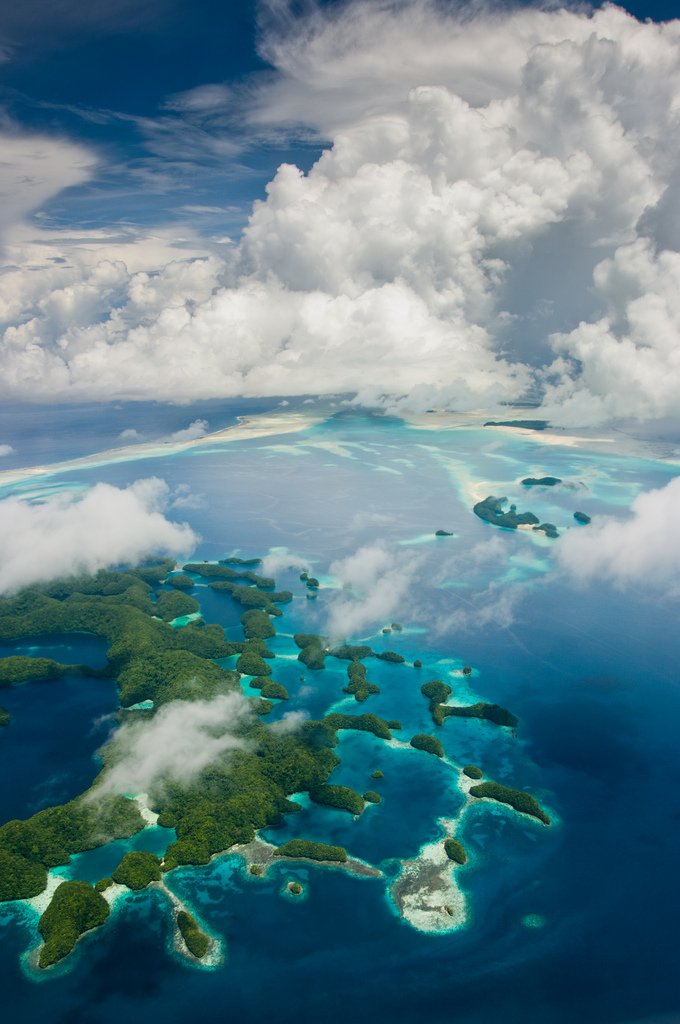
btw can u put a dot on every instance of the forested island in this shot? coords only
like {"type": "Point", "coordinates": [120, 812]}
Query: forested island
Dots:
{"type": "Point", "coordinates": [159, 650]}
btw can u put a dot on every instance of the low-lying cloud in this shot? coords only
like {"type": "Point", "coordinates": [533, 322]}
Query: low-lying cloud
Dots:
{"type": "Point", "coordinates": [72, 534]}
{"type": "Point", "coordinates": [376, 582]}
{"type": "Point", "coordinates": [181, 739]}
{"type": "Point", "coordinates": [641, 550]}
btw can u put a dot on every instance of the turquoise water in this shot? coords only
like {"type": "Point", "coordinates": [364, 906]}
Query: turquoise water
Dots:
{"type": "Point", "coordinates": [591, 674]}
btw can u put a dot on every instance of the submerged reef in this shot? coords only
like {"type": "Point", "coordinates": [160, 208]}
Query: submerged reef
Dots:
{"type": "Point", "coordinates": [5, 717]}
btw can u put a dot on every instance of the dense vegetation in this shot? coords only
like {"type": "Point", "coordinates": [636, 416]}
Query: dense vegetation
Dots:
{"type": "Point", "coordinates": [549, 529]}
{"type": "Point", "coordinates": [487, 712]}
{"type": "Point", "coordinates": [295, 889]}
{"type": "Point", "coordinates": [377, 774]}
{"type": "Point", "coordinates": [430, 744]}
{"type": "Point", "coordinates": [137, 870]}
{"type": "Point", "coordinates": [516, 798]}
{"type": "Point", "coordinates": [582, 517]}
{"type": "Point", "coordinates": [358, 684]}
{"type": "Point", "coordinates": [473, 772]}
{"type": "Point", "coordinates": [455, 851]}
{"type": "Point", "coordinates": [273, 690]}
{"type": "Point", "coordinates": [196, 941]}
{"type": "Point", "coordinates": [171, 604]}
{"type": "Point", "coordinates": [491, 511]}
{"type": "Point", "coordinates": [257, 625]}
{"type": "Point", "coordinates": [181, 580]}
{"type": "Point", "coordinates": [351, 652]}
{"type": "Point", "coordinates": [296, 848]}
{"type": "Point", "coordinates": [364, 723]}
{"type": "Point", "coordinates": [342, 797]}
{"type": "Point", "coordinates": [371, 797]}
{"type": "Point", "coordinates": [541, 481]}
{"type": "Point", "coordinates": [17, 668]}
{"type": "Point", "coordinates": [75, 908]}
{"type": "Point", "coordinates": [5, 717]}
{"type": "Point", "coordinates": [49, 838]}
{"type": "Point", "coordinates": [392, 656]}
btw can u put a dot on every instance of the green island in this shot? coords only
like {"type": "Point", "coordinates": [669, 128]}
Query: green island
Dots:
{"type": "Point", "coordinates": [473, 772]}
{"type": "Point", "coordinates": [542, 481]}
{"type": "Point", "coordinates": [437, 692]}
{"type": "Point", "coordinates": [443, 533]}
{"type": "Point", "coordinates": [358, 683]}
{"type": "Point", "coordinates": [180, 580]}
{"type": "Point", "coordinates": [430, 744]}
{"type": "Point", "coordinates": [377, 774]}
{"type": "Point", "coordinates": [196, 941]}
{"type": "Point", "coordinates": [294, 888]}
{"type": "Point", "coordinates": [156, 661]}
{"type": "Point", "coordinates": [515, 798]}
{"type": "Point", "coordinates": [396, 659]}
{"type": "Point", "coordinates": [519, 424]}
{"type": "Point", "coordinates": [343, 797]}
{"type": "Point", "coordinates": [491, 510]}
{"type": "Point", "coordinates": [304, 849]}
{"type": "Point", "coordinates": [549, 529]}
{"type": "Point", "coordinates": [137, 870]}
{"type": "Point", "coordinates": [582, 517]}
{"type": "Point", "coordinates": [455, 851]}
{"type": "Point", "coordinates": [75, 909]}
{"type": "Point", "coordinates": [371, 797]}
{"type": "Point", "coordinates": [5, 717]}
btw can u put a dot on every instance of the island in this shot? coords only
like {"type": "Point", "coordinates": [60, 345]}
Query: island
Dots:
{"type": "Point", "coordinates": [491, 510]}
{"type": "Point", "coordinates": [443, 533]}
{"type": "Point", "coordinates": [582, 518]}
{"type": "Point", "coordinates": [542, 481]}
{"type": "Point", "coordinates": [160, 651]}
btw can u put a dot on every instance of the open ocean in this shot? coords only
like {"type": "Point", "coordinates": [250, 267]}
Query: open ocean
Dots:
{"type": "Point", "coordinates": [573, 923]}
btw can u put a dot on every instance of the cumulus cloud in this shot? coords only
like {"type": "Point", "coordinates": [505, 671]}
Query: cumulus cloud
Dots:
{"type": "Point", "coordinates": [496, 214]}
{"type": "Point", "coordinates": [6, 449]}
{"type": "Point", "coordinates": [642, 550]}
{"type": "Point", "coordinates": [70, 534]}
{"type": "Point", "coordinates": [290, 722]}
{"type": "Point", "coordinates": [196, 429]}
{"type": "Point", "coordinates": [181, 739]}
{"type": "Point", "coordinates": [376, 581]}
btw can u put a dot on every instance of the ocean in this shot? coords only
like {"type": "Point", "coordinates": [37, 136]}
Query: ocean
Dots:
{"type": "Point", "coordinates": [577, 921]}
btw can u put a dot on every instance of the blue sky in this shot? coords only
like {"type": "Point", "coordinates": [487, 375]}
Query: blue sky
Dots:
{"type": "Point", "coordinates": [408, 201]}
{"type": "Point", "coordinates": [108, 74]}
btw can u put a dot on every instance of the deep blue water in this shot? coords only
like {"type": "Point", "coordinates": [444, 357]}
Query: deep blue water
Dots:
{"type": "Point", "coordinates": [591, 673]}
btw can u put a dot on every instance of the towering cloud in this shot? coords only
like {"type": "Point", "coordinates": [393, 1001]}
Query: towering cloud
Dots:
{"type": "Point", "coordinates": [496, 214]}
{"type": "Point", "coordinates": [71, 534]}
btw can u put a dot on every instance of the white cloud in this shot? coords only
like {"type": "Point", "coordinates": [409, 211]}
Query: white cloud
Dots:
{"type": "Point", "coordinates": [6, 449]}
{"type": "Point", "coordinates": [290, 722]}
{"type": "Point", "coordinates": [196, 429]}
{"type": "Point", "coordinates": [642, 550]}
{"type": "Point", "coordinates": [181, 739]}
{"type": "Point", "coordinates": [497, 189]}
{"type": "Point", "coordinates": [379, 579]}
{"type": "Point", "coordinates": [70, 534]}
{"type": "Point", "coordinates": [280, 559]}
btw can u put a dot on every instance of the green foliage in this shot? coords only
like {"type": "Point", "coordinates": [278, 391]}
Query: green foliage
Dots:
{"type": "Point", "coordinates": [543, 481]}
{"type": "Point", "coordinates": [371, 797]}
{"type": "Point", "coordinates": [295, 889]}
{"type": "Point", "coordinates": [582, 518]}
{"type": "Point", "coordinates": [393, 723]}
{"type": "Point", "coordinates": [196, 941]}
{"type": "Point", "coordinates": [20, 878]}
{"type": "Point", "coordinates": [257, 625]}
{"type": "Point", "coordinates": [455, 851]}
{"type": "Point", "coordinates": [256, 870]}
{"type": "Point", "coordinates": [171, 604]}
{"type": "Point", "coordinates": [377, 774]}
{"type": "Point", "coordinates": [417, 663]}
{"type": "Point", "coordinates": [17, 669]}
{"type": "Point", "coordinates": [51, 836]}
{"type": "Point", "coordinates": [103, 884]}
{"type": "Point", "coordinates": [274, 691]}
{"type": "Point", "coordinates": [430, 744]}
{"type": "Point", "coordinates": [181, 581]}
{"type": "Point", "coordinates": [436, 691]}
{"type": "Point", "coordinates": [137, 869]}
{"type": "Point", "coordinates": [342, 797]}
{"type": "Point", "coordinates": [473, 772]}
{"type": "Point", "coordinates": [487, 712]}
{"type": "Point", "coordinates": [516, 798]}
{"type": "Point", "coordinates": [251, 664]}
{"type": "Point", "coordinates": [297, 848]}
{"type": "Point", "coordinates": [5, 717]}
{"type": "Point", "coordinates": [312, 582]}
{"type": "Point", "coordinates": [491, 511]}
{"type": "Point", "coordinates": [358, 683]}
{"type": "Point", "coordinates": [251, 597]}
{"type": "Point", "coordinates": [75, 908]}
{"type": "Point", "coordinates": [364, 723]}
{"type": "Point", "coordinates": [247, 563]}
{"type": "Point", "coordinates": [154, 573]}
{"type": "Point", "coordinates": [392, 656]}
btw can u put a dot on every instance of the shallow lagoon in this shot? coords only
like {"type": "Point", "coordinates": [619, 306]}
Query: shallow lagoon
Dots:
{"type": "Point", "coordinates": [591, 674]}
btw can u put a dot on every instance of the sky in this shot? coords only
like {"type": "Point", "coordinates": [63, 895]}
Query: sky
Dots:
{"type": "Point", "coordinates": [411, 202]}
